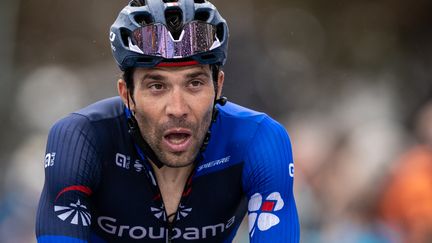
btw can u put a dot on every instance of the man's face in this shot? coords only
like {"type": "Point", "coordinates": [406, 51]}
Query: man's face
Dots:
{"type": "Point", "coordinates": [173, 107]}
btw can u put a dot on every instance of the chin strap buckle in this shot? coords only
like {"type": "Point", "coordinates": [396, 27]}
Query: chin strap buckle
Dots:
{"type": "Point", "coordinates": [222, 100]}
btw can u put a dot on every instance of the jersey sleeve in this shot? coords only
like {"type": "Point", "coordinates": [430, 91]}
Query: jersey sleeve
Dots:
{"type": "Point", "coordinates": [72, 172]}
{"type": "Point", "coordinates": [268, 182]}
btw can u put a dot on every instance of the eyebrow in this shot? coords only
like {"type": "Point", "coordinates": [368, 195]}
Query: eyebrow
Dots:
{"type": "Point", "coordinates": [197, 74]}
{"type": "Point", "coordinates": [158, 77]}
{"type": "Point", "coordinates": [152, 76]}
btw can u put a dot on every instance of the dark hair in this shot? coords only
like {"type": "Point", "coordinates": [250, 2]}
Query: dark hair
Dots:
{"type": "Point", "coordinates": [138, 3]}
{"type": "Point", "coordinates": [128, 78]}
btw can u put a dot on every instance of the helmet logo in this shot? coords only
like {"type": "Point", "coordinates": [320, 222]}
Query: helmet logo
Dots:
{"type": "Point", "coordinates": [173, 4]}
{"type": "Point", "coordinates": [112, 36]}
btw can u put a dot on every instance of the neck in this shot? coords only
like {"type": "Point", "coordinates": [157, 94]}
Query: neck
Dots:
{"type": "Point", "coordinates": [171, 182]}
{"type": "Point", "coordinates": [176, 175]}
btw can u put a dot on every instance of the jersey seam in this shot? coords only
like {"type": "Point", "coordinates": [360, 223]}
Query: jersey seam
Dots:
{"type": "Point", "coordinates": [251, 114]}
{"type": "Point", "coordinates": [99, 153]}
{"type": "Point", "coordinates": [251, 141]}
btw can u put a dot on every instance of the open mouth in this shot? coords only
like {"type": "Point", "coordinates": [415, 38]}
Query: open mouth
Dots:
{"type": "Point", "coordinates": [177, 140]}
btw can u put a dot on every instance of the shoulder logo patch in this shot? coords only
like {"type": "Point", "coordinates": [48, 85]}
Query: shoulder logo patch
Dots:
{"type": "Point", "coordinates": [75, 213]}
{"type": "Point", "coordinates": [261, 213]}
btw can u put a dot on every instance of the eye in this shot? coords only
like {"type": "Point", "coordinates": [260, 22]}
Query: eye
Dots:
{"type": "Point", "coordinates": [195, 83]}
{"type": "Point", "coordinates": [156, 86]}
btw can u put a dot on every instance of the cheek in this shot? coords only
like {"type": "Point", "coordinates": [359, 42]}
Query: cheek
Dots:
{"type": "Point", "coordinates": [146, 116]}
{"type": "Point", "coordinates": [204, 109]}
{"type": "Point", "coordinates": [146, 105]}
{"type": "Point", "coordinates": [205, 100]}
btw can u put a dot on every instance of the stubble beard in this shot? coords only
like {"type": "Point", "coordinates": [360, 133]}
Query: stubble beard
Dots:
{"type": "Point", "coordinates": [154, 138]}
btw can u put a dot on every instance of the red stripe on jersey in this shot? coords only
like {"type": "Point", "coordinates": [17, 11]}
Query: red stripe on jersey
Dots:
{"type": "Point", "coordinates": [83, 189]}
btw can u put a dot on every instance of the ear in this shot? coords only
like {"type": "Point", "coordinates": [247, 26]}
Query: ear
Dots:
{"type": "Point", "coordinates": [124, 93]}
{"type": "Point", "coordinates": [221, 78]}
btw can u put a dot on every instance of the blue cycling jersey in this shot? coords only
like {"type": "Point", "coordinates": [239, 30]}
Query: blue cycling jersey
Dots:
{"type": "Point", "coordinates": [100, 188]}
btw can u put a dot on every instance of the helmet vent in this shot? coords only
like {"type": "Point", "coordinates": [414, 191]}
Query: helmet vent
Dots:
{"type": "Point", "coordinates": [144, 60]}
{"type": "Point", "coordinates": [125, 33]}
{"type": "Point", "coordinates": [174, 21]}
{"type": "Point", "coordinates": [220, 31]}
{"type": "Point", "coordinates": [170, 1]}
{"type": "Point", "coordinates": [138, 3]}
{"type": "Point", "coordinates": [199, 1]}
{"type": "Point", "coordinates": [202, 15]}
{"type": "Point", "coordinates": [208, 56]}
{"type": "Point", "coordinates": [143, 19]}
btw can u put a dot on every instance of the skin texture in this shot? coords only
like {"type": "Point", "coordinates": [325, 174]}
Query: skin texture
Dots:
{"type": "Point", "coordinates": [171, 103]}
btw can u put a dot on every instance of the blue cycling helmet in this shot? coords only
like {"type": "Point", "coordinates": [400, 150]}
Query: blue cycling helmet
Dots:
{"type": "Point", "coordinates": [149, 33]}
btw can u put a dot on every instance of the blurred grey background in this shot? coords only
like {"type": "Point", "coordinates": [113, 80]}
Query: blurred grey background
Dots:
{"type": "Point", "coordinates": [348, 79]}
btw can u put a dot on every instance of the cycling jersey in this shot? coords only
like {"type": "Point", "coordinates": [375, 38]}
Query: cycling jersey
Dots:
{"type": "Point", "coordinates": [99, 186]}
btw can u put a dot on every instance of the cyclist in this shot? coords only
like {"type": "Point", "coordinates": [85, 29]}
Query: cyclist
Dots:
{"type": "Point", "coordinates": [169, 160]}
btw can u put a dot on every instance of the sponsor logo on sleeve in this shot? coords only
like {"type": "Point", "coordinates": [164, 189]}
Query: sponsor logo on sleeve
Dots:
{"type": "Point", "coordinates": [76, 212]}
{"type": "Point", "coordinates": [291, 169]}
{"type": "Point", "coordinates": [49, 159]}
{"type": "Point", "coordinates": [261, 213]}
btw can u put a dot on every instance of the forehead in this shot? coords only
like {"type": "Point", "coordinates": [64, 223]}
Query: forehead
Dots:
{"type": "Point", "coordinates": [171, 72]}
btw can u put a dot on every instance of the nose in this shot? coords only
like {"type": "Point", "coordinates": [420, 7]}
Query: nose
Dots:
{"type": "Point", "coordinates": [177, 105]}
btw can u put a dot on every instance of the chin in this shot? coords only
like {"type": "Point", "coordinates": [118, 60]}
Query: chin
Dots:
{"type": "Point", "coordinates": [177, 165]}
{"type": "Point", "coordinates": [174, 161]}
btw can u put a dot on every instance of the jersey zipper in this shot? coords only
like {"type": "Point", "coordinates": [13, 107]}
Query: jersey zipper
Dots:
{"type": "Point", "coordinates": [158, 195]}
{"type": "Point", "coordinates": [185, 196]}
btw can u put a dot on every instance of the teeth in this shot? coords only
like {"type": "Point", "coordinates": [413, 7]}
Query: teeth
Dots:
{"type": "Point", "coordinates": [177, 138]}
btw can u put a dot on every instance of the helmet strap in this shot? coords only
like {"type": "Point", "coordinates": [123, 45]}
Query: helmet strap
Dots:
{"type": "Point", "coordinates": [138, 139]}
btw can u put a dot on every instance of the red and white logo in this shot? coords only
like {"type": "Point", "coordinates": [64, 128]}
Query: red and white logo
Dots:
{"type": "Point", "coordinates": [261, 213]}
{"type": "Point", "coordinates": [75, 213]}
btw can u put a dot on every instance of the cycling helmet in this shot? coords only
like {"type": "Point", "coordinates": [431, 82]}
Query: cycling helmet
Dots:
{"type": "Point", "coordinates": [148, 33]}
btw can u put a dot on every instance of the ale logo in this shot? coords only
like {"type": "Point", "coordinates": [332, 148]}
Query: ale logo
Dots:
{"type": "Point", "coordinates": [261, 213]}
